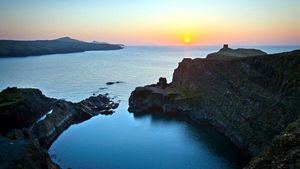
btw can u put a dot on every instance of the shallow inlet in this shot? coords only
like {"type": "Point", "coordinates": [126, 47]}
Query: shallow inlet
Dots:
{"type": "Point", "coordinates": [122, 140]}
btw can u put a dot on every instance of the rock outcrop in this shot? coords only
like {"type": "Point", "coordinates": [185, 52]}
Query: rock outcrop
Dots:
{"type": "Point", "coordinates": [228, 53]}
{"type": "Point", "coordinates": [40, 121]}
{"type": "Point", "coordinates": [65, 113]}
{"type": "Point", "coordinates": [21, 108]}
{"type": "Point", "coordinates": [152, 98]}
{"type": "Point", "coordinates": [250, 99]}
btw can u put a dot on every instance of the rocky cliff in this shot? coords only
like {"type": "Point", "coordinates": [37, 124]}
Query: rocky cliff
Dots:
{"type": "Point", "coordinates": [31, 122]}
{"type": "Point", "coordinates": [228, 53]}
{"type": "Point", "coordinates": [250, 99]}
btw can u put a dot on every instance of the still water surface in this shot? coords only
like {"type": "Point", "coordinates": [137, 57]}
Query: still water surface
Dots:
{"type": "Point", "coordinates": [122, 140]}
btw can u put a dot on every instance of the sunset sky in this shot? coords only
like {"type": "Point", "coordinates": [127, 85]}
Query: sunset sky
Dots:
{"type": "Point", "coordinates": [154, 22]}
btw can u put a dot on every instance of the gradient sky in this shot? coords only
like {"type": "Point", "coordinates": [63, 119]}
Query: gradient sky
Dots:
{"type": "Point", "coordinates": [161, 22]}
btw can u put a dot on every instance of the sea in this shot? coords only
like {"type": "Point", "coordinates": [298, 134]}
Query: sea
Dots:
{"type": "Point", "coordinates": [124, 140]}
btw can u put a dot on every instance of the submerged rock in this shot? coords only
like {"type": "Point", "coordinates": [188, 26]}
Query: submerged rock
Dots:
{"type": "Point", "coordinates": [116, 82]}
{"type": "Point", "coordinates": [249, 99]}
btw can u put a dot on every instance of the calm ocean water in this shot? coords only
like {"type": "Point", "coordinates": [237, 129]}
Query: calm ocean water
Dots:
{"type": "Point", "coordinates": [122, 140]}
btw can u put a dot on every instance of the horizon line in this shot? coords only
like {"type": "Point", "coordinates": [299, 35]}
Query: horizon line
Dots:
{"type": "Point", "coordinates": [149, 44]}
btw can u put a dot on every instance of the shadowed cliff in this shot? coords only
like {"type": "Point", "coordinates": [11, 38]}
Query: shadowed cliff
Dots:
{"type": "Point", "coordinates": [251, 99]}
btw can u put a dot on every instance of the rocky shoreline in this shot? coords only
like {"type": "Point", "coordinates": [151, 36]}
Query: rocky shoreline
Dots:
{"type": "Point", "coordinates": [31, 122]}
{"type": "Point", "coordinates": [252, 99]}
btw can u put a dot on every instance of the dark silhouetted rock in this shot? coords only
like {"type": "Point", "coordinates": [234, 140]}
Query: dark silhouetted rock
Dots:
{"type": "Point", "coordinates": [110, 83]}
{"type": "Point", "coordinates": [116, 82]}
{"type": "Point", "coordinates": [162, 83]}
{"type": "Point", "coordinates": [13, 48]}
{"type": "Point", "coordinates": [228, 53]}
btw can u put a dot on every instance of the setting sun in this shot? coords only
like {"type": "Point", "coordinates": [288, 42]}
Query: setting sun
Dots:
{"type": "Point", "coordinates": [187, 40]}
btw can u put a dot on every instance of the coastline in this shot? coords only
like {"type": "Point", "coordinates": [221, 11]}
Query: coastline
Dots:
{"type": "Point", "coordinates": [243, 98]}
{"type": "Point", "coordinates": [14, 48]}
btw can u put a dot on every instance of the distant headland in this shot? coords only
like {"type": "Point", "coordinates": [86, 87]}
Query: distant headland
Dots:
{"type": "Point", "coordinates": [14, 48]}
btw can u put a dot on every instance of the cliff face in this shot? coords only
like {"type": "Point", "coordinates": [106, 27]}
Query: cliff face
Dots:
{"type": "Point", "coordinates": [249, 99]}
{"type": "Point", "coordinates": [253, 98]}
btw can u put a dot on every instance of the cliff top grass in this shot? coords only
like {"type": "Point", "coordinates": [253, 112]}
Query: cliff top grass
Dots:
{"type": "Point", "coordinates": [10, 96]}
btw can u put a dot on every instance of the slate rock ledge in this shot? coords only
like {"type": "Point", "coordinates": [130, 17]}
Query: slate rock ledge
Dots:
{"type": "Point", "coordinates": [253, 100]}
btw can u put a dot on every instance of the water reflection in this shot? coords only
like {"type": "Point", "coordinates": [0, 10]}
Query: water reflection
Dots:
{"type": "Point", "coordinates": [214, 141]}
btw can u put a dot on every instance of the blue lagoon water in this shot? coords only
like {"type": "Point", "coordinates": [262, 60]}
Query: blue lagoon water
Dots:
{"type": "Point", "coordinates": [122, 140]}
